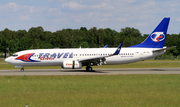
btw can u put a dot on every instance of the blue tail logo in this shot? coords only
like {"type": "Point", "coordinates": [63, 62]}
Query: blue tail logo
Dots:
{"type": "Point", "coordinates": [157, 38]}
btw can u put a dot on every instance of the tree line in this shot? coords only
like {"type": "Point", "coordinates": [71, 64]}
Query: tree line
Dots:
{"type": "Point", "coordinates": [37, 38]}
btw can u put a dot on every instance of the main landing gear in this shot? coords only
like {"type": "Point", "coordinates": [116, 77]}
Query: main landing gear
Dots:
{"type": "Point", "coordinates": [22, 69]}
{"type": "Point", "coordinates": [88, 68]}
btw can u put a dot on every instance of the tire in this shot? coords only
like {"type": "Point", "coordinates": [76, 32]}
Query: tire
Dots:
{"type": "Point", "coordinates": [22, 69]}
{"type": "Point", "coordinates": [89, 69]}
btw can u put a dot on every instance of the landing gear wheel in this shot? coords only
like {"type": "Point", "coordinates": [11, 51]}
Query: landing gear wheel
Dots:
{"type": "Point", "coordinates": [22, 69]}
{"type": "Point", "coordinates": [88, 68]}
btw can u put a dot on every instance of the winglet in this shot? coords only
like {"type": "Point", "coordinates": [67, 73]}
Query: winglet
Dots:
{"type": "Point", "coordinates": [118, 50]}
{"type": "Point", "coordinates": [106, 46]}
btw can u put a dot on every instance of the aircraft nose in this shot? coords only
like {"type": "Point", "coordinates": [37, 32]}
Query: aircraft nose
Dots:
{"type": "Point", "coordinates": [7, 60]}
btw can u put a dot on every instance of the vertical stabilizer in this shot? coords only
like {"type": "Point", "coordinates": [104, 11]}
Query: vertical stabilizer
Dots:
{"type": "Point", "coordinates": [157, 38]}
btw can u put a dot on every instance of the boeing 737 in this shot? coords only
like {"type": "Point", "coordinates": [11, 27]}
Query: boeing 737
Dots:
{"type": "Point", "coordinates": [76, 58]}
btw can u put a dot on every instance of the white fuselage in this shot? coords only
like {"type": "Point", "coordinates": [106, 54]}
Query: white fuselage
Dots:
{"type": "Point", "coordinates": [56, 57]}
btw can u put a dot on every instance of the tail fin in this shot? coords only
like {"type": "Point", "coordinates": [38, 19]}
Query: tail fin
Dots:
{"type": "Point", "coordinates": [157, 38]}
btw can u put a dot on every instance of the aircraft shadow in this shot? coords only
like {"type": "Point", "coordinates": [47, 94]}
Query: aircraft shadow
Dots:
{"type": "Point", "coordinates": [54, 70]}
{"type": "Point", "coordinates": [93, 71]}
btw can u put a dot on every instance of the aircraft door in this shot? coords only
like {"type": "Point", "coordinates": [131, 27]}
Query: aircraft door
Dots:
{"type": "Point", "coordinates": [140, 55]}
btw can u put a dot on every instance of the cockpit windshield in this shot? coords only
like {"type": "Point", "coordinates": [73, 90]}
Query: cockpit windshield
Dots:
{"type": "Point", "coordinates": [14, 55]}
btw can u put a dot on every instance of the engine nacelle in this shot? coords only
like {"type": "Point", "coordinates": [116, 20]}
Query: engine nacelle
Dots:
{"type": "Point", "coordinates": [72, 65]}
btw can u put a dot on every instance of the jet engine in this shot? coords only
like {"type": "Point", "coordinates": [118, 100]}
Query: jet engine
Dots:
{"type": "Point", "coordinates": [72, 65]}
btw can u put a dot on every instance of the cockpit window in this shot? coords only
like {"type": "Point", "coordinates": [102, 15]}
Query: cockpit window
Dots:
{"type": "Point", "coordinates": [14, 55]}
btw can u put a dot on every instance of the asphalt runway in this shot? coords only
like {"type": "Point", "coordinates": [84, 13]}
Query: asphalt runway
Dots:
{"type": "Point", "coordinates": [95, 72]}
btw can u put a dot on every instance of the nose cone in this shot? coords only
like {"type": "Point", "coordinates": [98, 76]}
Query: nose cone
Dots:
{"type": "Point", "coordinates": [8, 60]}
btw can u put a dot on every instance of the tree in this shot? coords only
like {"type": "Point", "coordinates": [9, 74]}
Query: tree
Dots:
{"type": "Point", "coordinates": [83, 29]}
{"type": "Point", "coordinates": [36, 38]}
{"type": "Point", "coordinates": [84, 45]}
{"type": "Point", "coordinates": [92, 38]}
{"type": "Point", "coordinates": [131, 32]}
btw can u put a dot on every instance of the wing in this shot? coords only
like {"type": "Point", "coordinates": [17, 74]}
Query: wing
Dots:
{"type": "Point", "coordinates": [100, 59]}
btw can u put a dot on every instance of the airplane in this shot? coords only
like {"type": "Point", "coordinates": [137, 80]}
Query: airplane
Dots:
{"type": "Point", "coordinates": [76, 58]}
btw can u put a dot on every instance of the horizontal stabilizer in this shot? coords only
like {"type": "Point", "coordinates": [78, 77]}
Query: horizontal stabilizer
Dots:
{"type": "Point", "coordinates": [164, 49]}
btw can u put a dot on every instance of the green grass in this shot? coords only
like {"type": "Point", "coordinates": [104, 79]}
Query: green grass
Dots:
{"type": "Point", "coordinates": [90, 91]}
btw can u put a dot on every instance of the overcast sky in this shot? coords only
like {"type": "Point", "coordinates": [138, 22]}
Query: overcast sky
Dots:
{"type": "Point", "coordinates": [55, 15]}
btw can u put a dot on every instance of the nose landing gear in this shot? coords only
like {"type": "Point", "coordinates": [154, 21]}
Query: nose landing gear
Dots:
{"type": "Point", "coordinates": [22, 69]}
